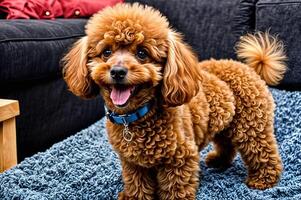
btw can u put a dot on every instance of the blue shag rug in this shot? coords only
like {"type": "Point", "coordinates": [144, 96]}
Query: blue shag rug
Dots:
{"type": "Point", "coordinates": [85, 167]}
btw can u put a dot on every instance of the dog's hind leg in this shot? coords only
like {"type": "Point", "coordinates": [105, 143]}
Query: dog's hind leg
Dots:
{"type": "Point", "coordinates": [253, 135]}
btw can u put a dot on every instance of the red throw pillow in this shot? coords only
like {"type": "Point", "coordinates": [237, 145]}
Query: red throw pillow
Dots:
{"type": "Point", "coordinates": [50, 9]}
{"type": "Point", "coordinates": [85, 8]}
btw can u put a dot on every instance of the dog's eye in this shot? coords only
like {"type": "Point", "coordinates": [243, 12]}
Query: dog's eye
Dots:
{"type": "Point", "coordinates": [106, 53]}
{"type": "Point", "coordinates": [142, 54]}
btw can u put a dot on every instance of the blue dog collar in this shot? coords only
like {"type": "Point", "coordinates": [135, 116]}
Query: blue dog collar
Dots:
{"type": "Point", "coordinates": [126, 119]}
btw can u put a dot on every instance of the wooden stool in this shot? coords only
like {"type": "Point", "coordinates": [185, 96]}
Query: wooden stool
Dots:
{"type": "Point", "coordinates": [9, 109]}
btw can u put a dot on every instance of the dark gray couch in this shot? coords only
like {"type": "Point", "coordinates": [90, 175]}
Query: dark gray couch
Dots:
{"type": "Point", "coordinates": [30, 51]}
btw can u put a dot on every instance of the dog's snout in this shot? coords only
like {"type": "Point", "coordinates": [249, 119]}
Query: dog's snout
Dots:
{"type": "Point", "coordinates": [118, 72]}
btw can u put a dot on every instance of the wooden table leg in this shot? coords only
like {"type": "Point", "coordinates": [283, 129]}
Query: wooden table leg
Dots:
{"type": "Point", "coordinates": [8, 146]}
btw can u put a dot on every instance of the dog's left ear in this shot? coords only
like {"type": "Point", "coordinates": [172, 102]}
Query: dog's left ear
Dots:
{"type": "Point", "coordinates": [180, 79]}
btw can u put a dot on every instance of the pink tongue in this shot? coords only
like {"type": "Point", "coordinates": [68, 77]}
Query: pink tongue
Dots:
{"type": "Point", "coordinates": [120, 96]}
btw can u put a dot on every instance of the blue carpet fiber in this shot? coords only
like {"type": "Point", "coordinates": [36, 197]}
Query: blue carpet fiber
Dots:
{"type": "Point", "coordinates": [84, 166]}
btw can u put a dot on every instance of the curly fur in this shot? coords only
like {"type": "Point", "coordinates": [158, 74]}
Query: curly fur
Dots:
{"type": "Point", "coordinates": [222, 101]}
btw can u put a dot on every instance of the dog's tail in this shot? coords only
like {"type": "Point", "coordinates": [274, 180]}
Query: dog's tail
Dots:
{"type": "Point", "coordinates": [265, 54]}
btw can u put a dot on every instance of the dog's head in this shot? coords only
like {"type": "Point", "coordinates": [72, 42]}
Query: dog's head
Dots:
{"type": "Point", "coordinates": [131, 55]}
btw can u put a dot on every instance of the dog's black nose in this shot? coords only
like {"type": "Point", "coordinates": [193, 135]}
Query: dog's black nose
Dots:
{"type": "Point", "coordinates": [118, 72]}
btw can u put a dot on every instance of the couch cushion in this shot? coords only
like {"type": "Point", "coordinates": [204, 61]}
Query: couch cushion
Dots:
{"type": "Point", "coordinates": [283, 17]}
{"type": "Point", "coordinates": [32, 49]}
{"type": "Point", "coordinates": [208, 26]}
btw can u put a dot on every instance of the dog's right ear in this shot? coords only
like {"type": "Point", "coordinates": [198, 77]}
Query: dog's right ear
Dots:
{"type": "Point", "coordinates": [76, 72]}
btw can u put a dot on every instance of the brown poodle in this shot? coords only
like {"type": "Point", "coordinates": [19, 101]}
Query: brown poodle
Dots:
{"type": "Point", "coordinates": [163, 106]}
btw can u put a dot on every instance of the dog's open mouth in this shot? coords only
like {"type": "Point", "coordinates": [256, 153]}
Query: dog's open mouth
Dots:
{"type": "Point", "coordinates": [120, 94]}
